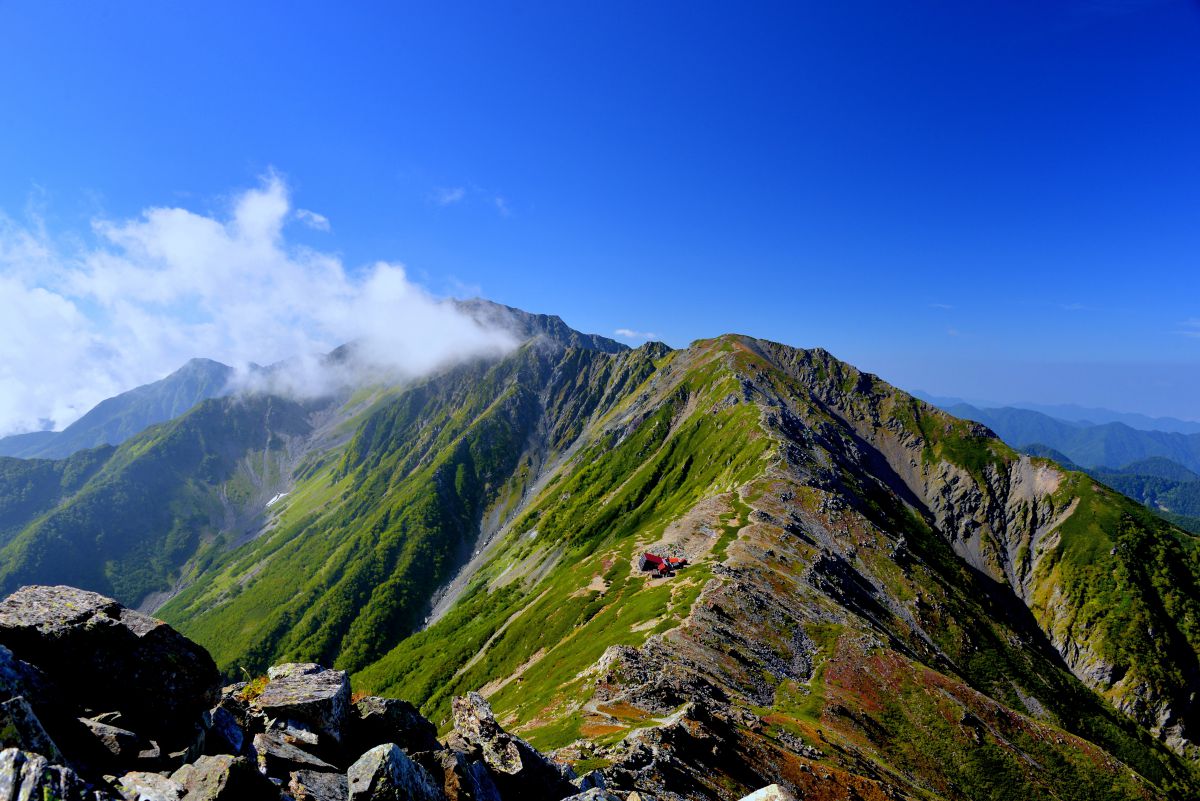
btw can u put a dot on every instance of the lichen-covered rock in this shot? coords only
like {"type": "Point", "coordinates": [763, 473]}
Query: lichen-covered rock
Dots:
{"type": "Point", "coordinates": [225, 734]}
{"type": "Point", "coordinates": [143, 786]}
{"type": "Point", "coordinates": [224, 778]}
{"type": "Point", "coordinates": [309, 694]}
{"type": "Point", "coordinates": [104, 656]}
{"type": "Point", "coordinates": [25, 776]}
{"type": "Point", "coordinates": [20, 728]}
{"type": "Point", "coordinates": [463, 779]}
{"type": "Point", "coordinates": [122, 744]}
{"type": "Point", "coordinates": [385, 773]}
{"type": "Point", "coordinates": [375, 721]}
{"type": "Point", "coordinates": [772, 792]}
{"type": "Point", "coordinates": [517, 769]}
{"type": "Point", "coordinates": [308, 785]}
{"type": "Point", "coordinates": [279, 758]}
{"type": "Point", "coordinates": [594, 794]}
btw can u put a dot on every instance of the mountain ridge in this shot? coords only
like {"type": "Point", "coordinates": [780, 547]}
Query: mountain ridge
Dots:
{"type": "Point", "coordinates": [843, 536]}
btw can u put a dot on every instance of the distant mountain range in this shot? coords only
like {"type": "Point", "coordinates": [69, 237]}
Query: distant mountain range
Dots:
{"type": "Point", "coordinates": [115, 420]}
{"type": "Point", "coordinates": [1073, 413]}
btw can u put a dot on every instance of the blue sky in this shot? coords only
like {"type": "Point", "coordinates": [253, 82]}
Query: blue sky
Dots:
{"type": "Point", "coordinates": [992, 199]}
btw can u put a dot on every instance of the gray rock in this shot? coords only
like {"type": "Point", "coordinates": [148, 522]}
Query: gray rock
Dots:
{"type": "Point", "coordinates": [104, 656]}
{"type": "Point", "coordinates": [308, 785]}
{"type": "Point", "coordinates": [309, 694]}
{"type": "Point", "coordinates": [517, 768]}
{"type": "Point", "coordinates": [20, 728]}
{"type": "Point", "coordinates": [591, 779]}
{"type": "Point", "coordinates": [594, 794]}
{"type": "Point", "coordinates": [462, 779]}
{"type": "Point", "coordinates": [225, 735]}
{"type": "Point", "coordinates": [142, 786]}
{"type": "Point", "coordinates": [277, 757]}
{"type": "Point", "coordinates": [772, 792]}
{"type": "Point", "coordinates": [385, 773]}
{"type": "Point", "coordinates": [25, 776]}
{"type": "Point", "coordinates": [121, 743]}
{"type": "Point", "coordinates": [375, 721]}
{"type": "Point", "coordinates": [224, 778]}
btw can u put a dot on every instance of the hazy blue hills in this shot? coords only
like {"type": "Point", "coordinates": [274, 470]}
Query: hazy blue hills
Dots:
{"type": "Point", "coordinates": [1105, 445]}
{"type": "Point", "coordinates": [116, 419]}
{"type": "Point", "coordinates": [1074, 413]}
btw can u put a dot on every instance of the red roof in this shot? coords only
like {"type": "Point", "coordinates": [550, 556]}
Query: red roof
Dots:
{"type": "Point", "coordinates": [651, 559]}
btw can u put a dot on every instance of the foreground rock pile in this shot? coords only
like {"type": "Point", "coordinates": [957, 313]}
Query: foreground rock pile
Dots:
{"type": "Point", "coordinates": [101, 702]}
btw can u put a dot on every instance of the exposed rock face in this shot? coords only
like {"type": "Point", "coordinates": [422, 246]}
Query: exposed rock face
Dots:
{"type": "Point", "coordinates": [309, 694]}
{"type": "Point", "coordinates": [104, 656]}
{"type": "Point", "coordinates": [463, 779]}
{"type": "Point", "coordinates": [25, 775]}
{"type": "Point", "coordinates": [20, 728]}
{"type": "Point", "coordinates": [224, 778]}
{"type": "Point", "coordinates": [307, 785]}
{"type": "Point", "coordinates": [375, 721]}
{"type": "Point", "coordinates": [385, 773]}
{"type": "Point", "coordinates": [142, 786]}
{"type": "Point", "coordinates": [772, 792]}
{"type": "Point", "coordinates": [514, 763]}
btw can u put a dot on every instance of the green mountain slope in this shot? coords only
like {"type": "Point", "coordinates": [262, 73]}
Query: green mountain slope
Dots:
{"type": "Point", "coordinates": [877, 590]}
{"type": "Point", "coordinates": [124, 520]}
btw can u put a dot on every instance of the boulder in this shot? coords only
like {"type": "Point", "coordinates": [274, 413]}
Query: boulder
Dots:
{"type": "Point", "coordinates": [462, 779]}
{"type": "Point", "coordinates": [517, 768]}
{"type": "Point", "coordinates": [104, 656]}
{"type": "Point", "coordinates": [308, 694]}
{"type": "Point", "coordinates": [224, 778]}
{"type": "Point", "coordinates": [225, 735]}
{"type": "Point", "coordinates": [277, 757]}
{"type": "Point", "coordinates": [594, 794]}
{"type": "Point", "coordinates": [20, 728]}
{"type": "Point", "coordinates": [25, 775]}
{"type": "Point", "coordinates": [308, 785]}
{"type": "Point", "coordinates": [375, 721]}
{"type": "Point", "coordinates": [385, 773]}
{"type": "Point", "coordinates": [772, 792]}
{"type": "Point", "coordinates": [142, 786]}
{"type": "Point", "coordinates": [122, 744]}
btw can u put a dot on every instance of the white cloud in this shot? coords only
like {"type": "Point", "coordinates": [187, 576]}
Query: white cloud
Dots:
{"type": "Point", "coordinates": [79, 324]}
{"type": "Point", "coordinates": [629, 333]}
{"type": "Point", "coordinates": [318, 222]}
{"type": "Point", "coordinates": [941, 306]}
{"type": "Point", "coordinates": [502, 206]}
{"type": "Point", "coordinates": [448, 195]}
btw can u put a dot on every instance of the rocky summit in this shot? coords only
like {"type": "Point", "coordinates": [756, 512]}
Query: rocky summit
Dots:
{"type": "Point", "coordinates": [732, 568]}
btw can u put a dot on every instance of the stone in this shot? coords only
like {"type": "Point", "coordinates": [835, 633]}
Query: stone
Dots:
{"type": "Point", "coordinates": [143, 786]}
{"type": "Point", "coordinates": [462, 779]}
{"type": "Point", "coordinates": [225, 735]}
{"type": "Point", "coordinates": [224, 778]}
{"type": "Point", "coordinates": [517, 769]}
{"type": "Point", "coordinates": [25, 775]}
{"type": "Point", "coordinates": [772, 792]}
{"type": "Point", "coordinates": [375, 721]}
{"type": "Point", "coordinates": [385, 773]}
{"type": "Point", "coordinates": [120, 743]}
{"type": "Point", "coordinates": [309, 785]}
{"type": "Point", "coordinates": [594, 794]}
{"type": "Point", "coordinates": [21, 728]}
{"type": "Point", "coordinates": [277, 757]}
{"type": "Point", "coordinates": [591, 779]}
{"type": "Point", "coordinates": [308, 694]}
{"type": "Point", "coordinates": [102, 655]}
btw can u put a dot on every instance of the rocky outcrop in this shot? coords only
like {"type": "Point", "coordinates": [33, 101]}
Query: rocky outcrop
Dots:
{"type": "Point", "coordinates": [104, 657]}
{"type": "Point", "coordinates": [385, 773]}
{"type": "Point", "coordinates": [516, 767]}
{"type": "Point", "coordinates": [88, 721]}
{"type": "Point", "coordinates": [309, 694]}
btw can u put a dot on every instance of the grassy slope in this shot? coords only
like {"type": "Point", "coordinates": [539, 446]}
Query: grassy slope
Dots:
{"type": "Point", "coordinates": [124, 521]}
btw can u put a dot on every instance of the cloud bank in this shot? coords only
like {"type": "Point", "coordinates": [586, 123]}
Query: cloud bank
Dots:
{"type": "Point", "coordinates": [79, 323]}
